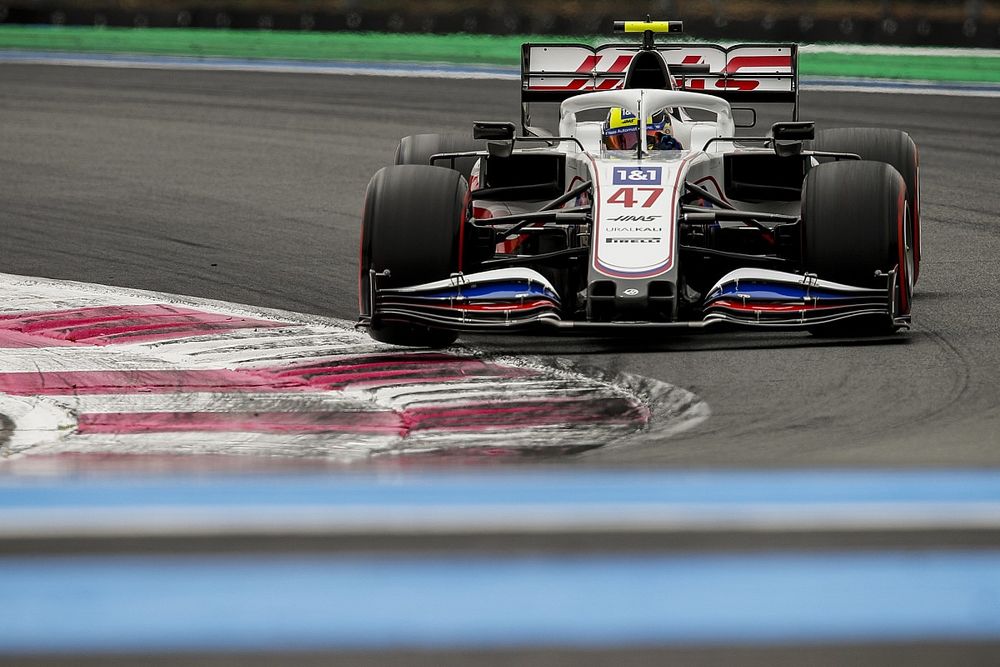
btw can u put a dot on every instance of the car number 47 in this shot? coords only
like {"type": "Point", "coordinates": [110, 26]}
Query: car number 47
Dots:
{"type": "Point", "coordinates": [627, 197]}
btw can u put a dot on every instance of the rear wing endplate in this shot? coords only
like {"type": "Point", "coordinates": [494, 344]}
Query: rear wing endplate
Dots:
{"type": "Point", "coordinates": [743, 73]}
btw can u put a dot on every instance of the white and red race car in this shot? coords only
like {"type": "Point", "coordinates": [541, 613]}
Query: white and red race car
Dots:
{"type": "Point", "coordinates": [560, 231]}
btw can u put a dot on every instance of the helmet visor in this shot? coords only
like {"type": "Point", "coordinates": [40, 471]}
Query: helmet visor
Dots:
{"type": "Point", "coordinates": [623, 140]}
{"type": "Point", "coordinates": [626, 138]}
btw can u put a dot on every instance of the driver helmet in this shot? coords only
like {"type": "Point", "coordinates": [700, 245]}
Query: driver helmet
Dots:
{"type": "Point", "coordinates": [621, 131]}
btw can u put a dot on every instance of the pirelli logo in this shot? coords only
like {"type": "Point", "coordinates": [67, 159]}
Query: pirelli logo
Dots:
{"type": "Point", "coordinates": [620, 239]}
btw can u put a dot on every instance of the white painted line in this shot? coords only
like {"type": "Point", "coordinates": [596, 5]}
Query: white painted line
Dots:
{"type": "Point", "coordinates": [549, 519]}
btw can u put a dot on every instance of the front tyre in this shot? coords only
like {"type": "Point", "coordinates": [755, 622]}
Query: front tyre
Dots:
{"type": "Point", "coordinates": [893, 147]}
{"type": "Point", "coordinates": [418, 149]}
{"type": "Point", "coordinates": [411, 226]}
{"type": "Point", "coordinates": [856, 223]}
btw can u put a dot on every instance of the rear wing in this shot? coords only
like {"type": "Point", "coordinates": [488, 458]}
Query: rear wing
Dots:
{"type": "Point", "coordinates": [744, 73]}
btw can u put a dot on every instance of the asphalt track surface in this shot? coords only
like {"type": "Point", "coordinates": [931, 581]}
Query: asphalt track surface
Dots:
{"type": "Point", "coordinates": [248, 187]}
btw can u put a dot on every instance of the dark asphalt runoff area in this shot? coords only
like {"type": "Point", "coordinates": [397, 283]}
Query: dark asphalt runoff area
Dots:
{"type": "Point", "coordinates": [248, 187]}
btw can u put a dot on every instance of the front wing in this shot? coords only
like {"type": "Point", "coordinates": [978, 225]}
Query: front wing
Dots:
{"type": "Point", "coordinates": [517, 299]}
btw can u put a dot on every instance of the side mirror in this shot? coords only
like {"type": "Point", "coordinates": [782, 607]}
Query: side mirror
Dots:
{"type": "Point", "coordinates": [794, 130]}
{"type": "Point", "coordinates": [482, 129]}
{"type": "Point", "coordinates": [500, 149]}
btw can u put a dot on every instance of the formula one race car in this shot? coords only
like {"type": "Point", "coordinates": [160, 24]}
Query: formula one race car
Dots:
{"type": "Point", "coordinates": [644, 210]}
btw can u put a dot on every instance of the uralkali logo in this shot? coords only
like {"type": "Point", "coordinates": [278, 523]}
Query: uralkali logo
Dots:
{"type": "Point", "coordinates": [100, 371]}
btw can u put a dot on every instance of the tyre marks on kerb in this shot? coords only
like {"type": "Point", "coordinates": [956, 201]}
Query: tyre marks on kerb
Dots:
{"type": "Point", "coordinates": [93, 369]}
{"type": "Point", "coordinates": [118, 324]}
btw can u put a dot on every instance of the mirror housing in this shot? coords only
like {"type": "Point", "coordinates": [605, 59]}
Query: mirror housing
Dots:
{"type": "Point", "coordinates": [794, 130]}
{"type": "Point", "coordinates": [496, 130]}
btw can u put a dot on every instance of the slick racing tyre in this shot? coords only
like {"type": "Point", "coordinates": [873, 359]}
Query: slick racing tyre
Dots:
{"type": "Point", "coordinates": [418, 149]}
{"type": "Point", "coordinates": [855, 223]}
{"type": "Point", "coordinates": [411, 227]}
{"type": "Point", "coordinates": [881, 145]}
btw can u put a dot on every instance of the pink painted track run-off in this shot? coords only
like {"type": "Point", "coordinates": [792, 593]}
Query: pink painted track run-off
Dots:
{"type": "Point", "coordinates": [94, 370]}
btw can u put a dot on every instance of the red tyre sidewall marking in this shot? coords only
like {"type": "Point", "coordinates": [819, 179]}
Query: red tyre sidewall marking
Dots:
{"type": "Point", "coordinates": [915, 215]}
{"type": "Point", "coordinates": [903, 279]}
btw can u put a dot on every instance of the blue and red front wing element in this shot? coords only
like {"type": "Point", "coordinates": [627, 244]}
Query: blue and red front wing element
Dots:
{"type": "Point", "coordinates": [501, 299]}
{"type": "Point", "coordinates": [775, 298]}
{"type": "Point", "coordinates": [521, 298]}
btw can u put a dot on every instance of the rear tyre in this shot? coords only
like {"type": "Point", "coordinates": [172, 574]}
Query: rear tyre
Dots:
{"type": "Point", "coordinates": [855, 223]}
{"type": "Point", "coordinates": [418, 149]}
{"type": "Point", "coordinates": [882, 145]}
{"type": "Point", "coordinates": [411, 226]}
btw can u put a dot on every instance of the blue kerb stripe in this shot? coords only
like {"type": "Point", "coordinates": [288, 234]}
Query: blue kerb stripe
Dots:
{"type": "Point", "coordinates": [555, 487]}
{"type": "Point", "coordinates": [78, 604]}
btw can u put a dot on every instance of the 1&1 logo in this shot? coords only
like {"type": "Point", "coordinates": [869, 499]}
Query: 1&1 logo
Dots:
{"type": "Point", "coordinates": [637, 175]}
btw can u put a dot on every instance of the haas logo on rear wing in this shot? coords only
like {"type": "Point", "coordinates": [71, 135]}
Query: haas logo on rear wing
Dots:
{"type": "Point", "coordinates": [746, 73]}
